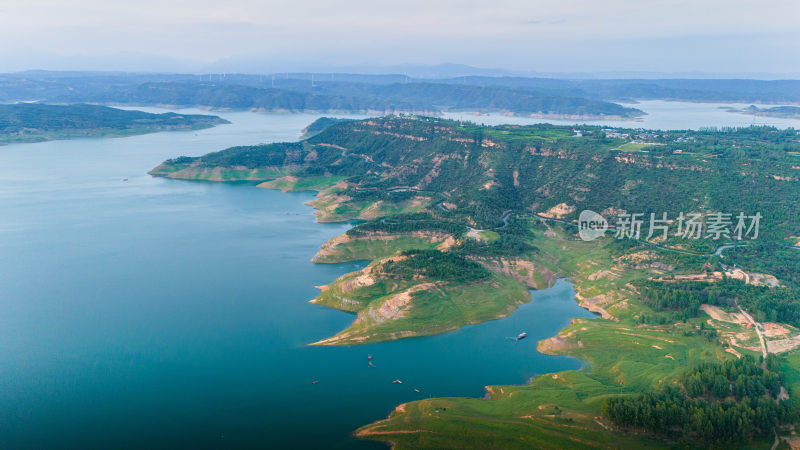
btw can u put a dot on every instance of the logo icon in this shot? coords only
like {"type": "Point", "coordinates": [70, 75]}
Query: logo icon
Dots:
{"type": "Point", "coordinates": [591, 225]}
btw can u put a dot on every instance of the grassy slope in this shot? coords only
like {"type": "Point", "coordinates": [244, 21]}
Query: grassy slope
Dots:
{"type": "Point", "coordinates": [184, 172]}
{"type": "Point", "coordinates": [790, 366]}
{"type": "Point", "coordinates": [369, 248]}
{"type": "Point", "coordinates": [435, 306]}
{"type": "Point", "coordinates": [294, 184]}
{"type": "Point", "coordinates": [332, 206]}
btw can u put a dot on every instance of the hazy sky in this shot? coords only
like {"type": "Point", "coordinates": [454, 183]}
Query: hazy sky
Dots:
{"type": "Point", "coordinates": [552, 36]}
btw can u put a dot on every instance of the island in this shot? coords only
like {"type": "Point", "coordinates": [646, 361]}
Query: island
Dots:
{"type": "Point", "coordinates": [696, 332]}
{"type": "Point", "coordinates": [781, 112]}
{"type": "Point", "coordinates": [36, 122]}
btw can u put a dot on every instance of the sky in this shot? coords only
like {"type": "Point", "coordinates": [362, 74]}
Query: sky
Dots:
{"type": "Point", "coordinates": [710, 36]}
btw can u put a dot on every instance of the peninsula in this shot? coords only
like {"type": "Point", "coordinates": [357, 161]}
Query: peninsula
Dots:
{"type": "Point", "coordinates": [783, 112]}
{"type": "Point", "coordinates": [460, 220]}
{"type": "Point", "coordinates": [35, 122]}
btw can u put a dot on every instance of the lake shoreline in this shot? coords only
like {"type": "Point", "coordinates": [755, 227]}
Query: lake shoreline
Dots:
{"type": "Point", "coordinates": [544, 346]}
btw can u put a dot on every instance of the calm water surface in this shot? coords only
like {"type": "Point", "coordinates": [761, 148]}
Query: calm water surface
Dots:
{"type": "Point", "coordinates": [661, 115]}
{"type": "Point", "coordinates": [157, 313]}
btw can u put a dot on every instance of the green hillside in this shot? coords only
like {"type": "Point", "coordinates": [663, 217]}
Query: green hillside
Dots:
{"type": "Point", "coordinates": [460, 218]}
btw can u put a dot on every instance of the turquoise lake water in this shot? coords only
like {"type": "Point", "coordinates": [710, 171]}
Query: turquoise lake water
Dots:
{"type": "Point", "coordinates": [160, 313]}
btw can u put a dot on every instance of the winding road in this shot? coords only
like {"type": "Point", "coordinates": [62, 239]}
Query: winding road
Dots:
{"type": "Point", "coordinates": [722, 248]}
{"type": "Point", "coordinates": [758, 331]}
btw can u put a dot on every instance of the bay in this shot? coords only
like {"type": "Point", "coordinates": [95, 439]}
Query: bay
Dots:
{"type": "Point", "coordinates": [145, 312]}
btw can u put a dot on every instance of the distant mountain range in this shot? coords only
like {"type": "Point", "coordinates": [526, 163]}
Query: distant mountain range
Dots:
{"type": "Point", "coordinates": [387, 93]}
{"type": "Point", "coordinates": [295, 93]}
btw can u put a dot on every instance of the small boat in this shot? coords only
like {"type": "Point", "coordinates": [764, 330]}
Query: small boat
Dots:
{"type": "Point", "coordinates": [522, 335]}
{"type": "Point", "coordinates": [369, 356]}
{"type": "Point", "coordinates": [397, 382]}
{"type": "Point", "coordinates": [314, 382]}
{"type": "Point", "coordinates": [416, 390]}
